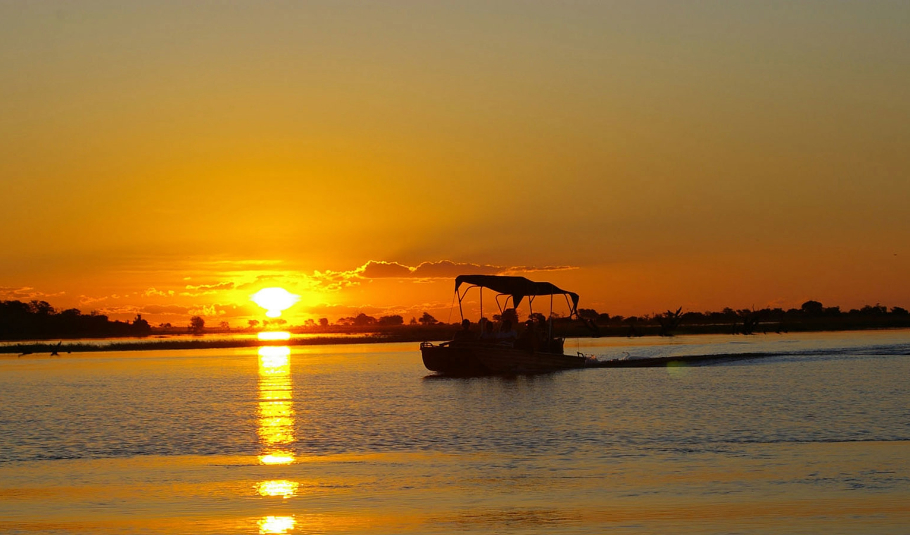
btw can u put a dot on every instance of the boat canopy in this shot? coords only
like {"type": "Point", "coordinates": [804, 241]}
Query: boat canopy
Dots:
{"type": "Point", "coordinates": [516, 287]}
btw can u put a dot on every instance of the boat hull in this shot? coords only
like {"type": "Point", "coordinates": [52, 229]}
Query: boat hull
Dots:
{"type": "Point", "coordinates": [492, 359]}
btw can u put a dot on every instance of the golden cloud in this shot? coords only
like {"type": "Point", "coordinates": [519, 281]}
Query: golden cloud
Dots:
{"type": "Point", "coordinates": [439, 269]}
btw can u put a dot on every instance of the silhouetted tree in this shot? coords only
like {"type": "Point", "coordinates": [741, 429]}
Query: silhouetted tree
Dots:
{"type": "Point", "coordinates": [391, 320]}
{"type": "Point", "coordinates": [427, 319]}
{"type": "Point", "coordinates": [669, 321]}
{"type": "Point", "coordinates": [42, 308]}
{"type": "Point", "coordinates": [140, 325]}
{"type": "Point", "coordinates": [510, 315]}
{"type": "Point", "coordinates": [323, 322]}
{"type": "Point", "coordinates": [812, 308]}
{"type": "Point", "coordinates": [253, 323]}
{"type": "Point", "coordinates": [877, 310]}
{"type": "Point", "coordinates": [750, 319]}
{"type": "Point", "coordinates": [363, 320]}
{"type": "Point", "coordinates": [197, 324]}
{"type": "Point", "coordinates": [588, 314]}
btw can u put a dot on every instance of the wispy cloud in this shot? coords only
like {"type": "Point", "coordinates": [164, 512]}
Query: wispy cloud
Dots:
{"type": "Point", "coordinates": [379, 270]}
{"type": "Point", "coordinates": [88, 300]}
{"type": "Point", "coordinates": [439, 269]}
{"type": "Point", "coordinates": [165, 310]}
{"type": "Point", "coordinates": [207, 289]}
{"type": "Point", "coordinates": [181, 312]}
{"type": "Point", "coordinates": [152, 292]}
{"type": "Point", "coordinates": [27, 293]}
{"type": "Point", "coordinates": [212, 287]}
{"type": "Point", "coordinates": [335, 280]}
{"type": "Point", "coordinates": [208, 310]}
{"type": "Point", "coordinates": [119, 310]}
{"type": "Point", "coordinates": [259, 280]}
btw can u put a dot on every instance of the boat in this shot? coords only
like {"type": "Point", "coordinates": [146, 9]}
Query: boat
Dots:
{"type": "Point", "coordinates": [506, 352]}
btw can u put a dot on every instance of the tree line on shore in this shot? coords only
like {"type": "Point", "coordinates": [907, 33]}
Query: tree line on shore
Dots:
{"type": "Point", "coordinates": [811, 315]}
{"type": "Point", "coordinates": [39, 320]}
{"type": "Point", "coordinates": [742, 321]}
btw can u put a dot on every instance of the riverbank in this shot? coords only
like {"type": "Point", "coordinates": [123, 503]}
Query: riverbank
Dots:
{"type": "Point", "coordinates": [403, 335]}
{"type": "Point", "coordinates": [37, 348]}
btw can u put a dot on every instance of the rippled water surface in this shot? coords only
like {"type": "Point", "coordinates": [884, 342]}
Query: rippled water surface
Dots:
{"type": "Point", "coordinates": [362, 439]}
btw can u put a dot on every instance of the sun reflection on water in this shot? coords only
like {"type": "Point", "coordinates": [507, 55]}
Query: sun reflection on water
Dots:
{"type": "Point", "coordinates": [272, 359]}
{"type": "Point", "coordinates": [276, 430]}
{"type": "Point", "coordinates": [276, 409]}
{"type": "Point", "coordinates": [280, 487]}
{"type": "Point", "coordinates": [277, 458]}
{"type": "Point", "coordinates": [276, 524]}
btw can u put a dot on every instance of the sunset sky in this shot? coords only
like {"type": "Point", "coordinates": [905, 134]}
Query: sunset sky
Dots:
{"type": "Point", "coordinates": [172, 158]}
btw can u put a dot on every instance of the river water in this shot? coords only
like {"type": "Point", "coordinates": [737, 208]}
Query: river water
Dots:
{"type": "Point", "coordinates": [362, 439]}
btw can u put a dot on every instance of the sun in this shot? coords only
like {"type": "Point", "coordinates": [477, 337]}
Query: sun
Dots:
{"type": "Point", "coordinates": [274, 300]}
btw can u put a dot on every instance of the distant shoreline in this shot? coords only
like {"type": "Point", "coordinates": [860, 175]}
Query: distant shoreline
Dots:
{"type": "Point", "coordinates": [83, 345]}
{"type": "Point", "coordinates": [80, 346]}
{"type": "Point", "coordinates": [37, 327]}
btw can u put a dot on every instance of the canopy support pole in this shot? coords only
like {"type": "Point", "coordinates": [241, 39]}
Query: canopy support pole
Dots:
{"type": "Point", "coordinates": [550, 321]}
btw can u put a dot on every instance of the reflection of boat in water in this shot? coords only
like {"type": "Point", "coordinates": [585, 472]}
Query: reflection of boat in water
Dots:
{"type": "Point", "coordinates": [534, 350]}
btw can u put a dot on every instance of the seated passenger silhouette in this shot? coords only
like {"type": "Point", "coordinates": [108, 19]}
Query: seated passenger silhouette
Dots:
{"type": "Point", "coordinates": [465, 332]}
{"type": "Point", "coordinates": [506, 332]}
{"type": "Point", "coordinates": [488, 333]}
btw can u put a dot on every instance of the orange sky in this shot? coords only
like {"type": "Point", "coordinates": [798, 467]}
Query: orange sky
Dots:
{"type": "Point", "coordinates": [171, 158]}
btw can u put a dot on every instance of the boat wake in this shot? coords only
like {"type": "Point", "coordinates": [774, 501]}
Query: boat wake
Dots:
{"type": "Point", "coordinates": [627, 360]}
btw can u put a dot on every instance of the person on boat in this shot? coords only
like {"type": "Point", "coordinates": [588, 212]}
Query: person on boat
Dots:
{"type": "Point", "coordinates": [465, 332]}
{"type": "Point", "coordinates": [530, 337]}
{"type": "Point", "coordinates": [488, 332]}
{"type": "Point", "coordinates": [506, 332]}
